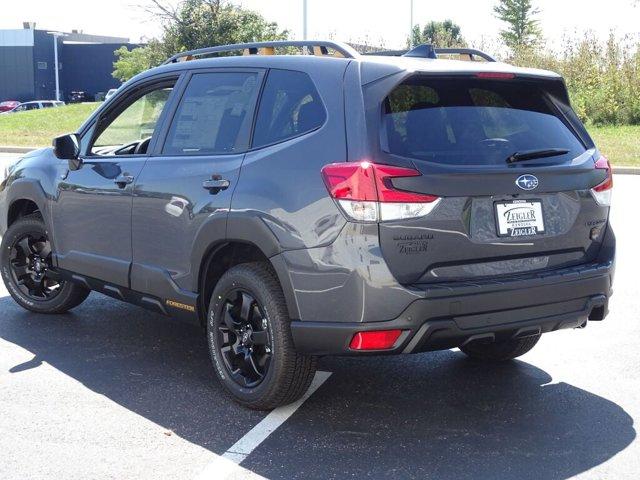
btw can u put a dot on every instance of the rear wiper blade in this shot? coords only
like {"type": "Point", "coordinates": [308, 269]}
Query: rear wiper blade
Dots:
{"type": "Point", "coordinates": [531, 154]}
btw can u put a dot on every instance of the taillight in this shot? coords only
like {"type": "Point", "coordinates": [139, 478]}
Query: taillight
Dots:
{"type": "Point", "coordinates": [375, 340]}
{"type": "Point", "coordinates": [366, 194]}
{"type": "Point", "coordinates": [602, 192]}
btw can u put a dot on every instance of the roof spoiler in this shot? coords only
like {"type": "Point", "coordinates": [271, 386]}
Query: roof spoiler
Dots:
{"type": "Point", "coordinates": [427, 50]}
{"type": "Point", "coordinates": [319, 48]}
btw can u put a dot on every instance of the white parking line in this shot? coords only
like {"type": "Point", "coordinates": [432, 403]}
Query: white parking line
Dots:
{"type": "Point", "coordinates": [228, 465]}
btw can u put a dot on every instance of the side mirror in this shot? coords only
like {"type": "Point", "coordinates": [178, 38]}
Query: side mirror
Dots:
{"type": "Point", "coordinates": [67, 147]}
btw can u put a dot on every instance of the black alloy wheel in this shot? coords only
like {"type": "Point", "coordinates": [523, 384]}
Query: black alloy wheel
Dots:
{"type": "Point", "coordinates": [31, 267]}
{"type": "Point", "coordinates": [250, 341]}
{"type": "Point", "coordinates": [243, 338]}
{"type": "Point", "coordinates": [26, 267]}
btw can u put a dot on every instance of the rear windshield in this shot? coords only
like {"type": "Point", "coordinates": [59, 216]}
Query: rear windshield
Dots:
{"type": "Point", "coordinates": [473, 121]}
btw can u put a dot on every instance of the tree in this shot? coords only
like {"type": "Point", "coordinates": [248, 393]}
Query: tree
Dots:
{"type": "Point", "coordinates": [195, 24]}
{"type": "Point", "coordinates": [131, 62]}
{"type": "Point", "coordinates": [522, 31]}
{"type": "Point", "coordinates": [205, 23]}
{"type": "Point", "coordinates": [440, 34]}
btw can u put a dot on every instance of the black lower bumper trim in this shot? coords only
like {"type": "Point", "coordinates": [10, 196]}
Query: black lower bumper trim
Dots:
{"type": "Point", "coordinates": [447, 321]}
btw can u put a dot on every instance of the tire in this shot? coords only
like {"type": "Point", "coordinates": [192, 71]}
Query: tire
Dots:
{"type": "Point", "coordinates": [277, 374]}
{"type": "Point", "coordinates": [57, 296]}
{"type": "Point", "coordinates": [500, 351]}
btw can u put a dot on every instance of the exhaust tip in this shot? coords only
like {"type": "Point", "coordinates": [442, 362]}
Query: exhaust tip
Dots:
{"type": "Point", "coordinates": [599, 308]}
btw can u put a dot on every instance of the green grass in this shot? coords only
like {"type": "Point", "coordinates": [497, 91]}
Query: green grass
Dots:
{"type": "Point", "coordinates": [620, 144]}
{"type": "Point", "coordinates": [36, 128]}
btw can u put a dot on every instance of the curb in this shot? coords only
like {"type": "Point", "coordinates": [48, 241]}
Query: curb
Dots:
{"type": "Point", "coordinates": [616, 170]}
{"type": "Point", "coordinates": [9, 149]}
{"type": "Point", "coordinates": [626, 170]}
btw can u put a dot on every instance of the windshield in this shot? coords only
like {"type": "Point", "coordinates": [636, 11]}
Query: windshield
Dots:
{"type": "Point", "coordinates": [468, 121]}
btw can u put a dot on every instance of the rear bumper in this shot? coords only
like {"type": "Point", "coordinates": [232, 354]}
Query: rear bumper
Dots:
{"type": "Point", "coordinates": [451, 315]}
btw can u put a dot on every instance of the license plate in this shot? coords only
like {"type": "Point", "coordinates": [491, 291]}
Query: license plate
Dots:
{"type": "Point", "coordinates": [519, 218]}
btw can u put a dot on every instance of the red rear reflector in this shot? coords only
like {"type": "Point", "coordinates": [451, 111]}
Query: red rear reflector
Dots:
{"type": "Point", "coordinates": [375, 340]}
{"type": "Point", "coordinates": [496, 75]}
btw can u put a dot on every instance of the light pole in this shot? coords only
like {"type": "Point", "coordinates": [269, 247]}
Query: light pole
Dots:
{"type": "Point", "coordinates": [55, 36]}
{"type": "Point", "coordinates": [411, 21]}
{"type": "Point", "coordinates": [304, 19]}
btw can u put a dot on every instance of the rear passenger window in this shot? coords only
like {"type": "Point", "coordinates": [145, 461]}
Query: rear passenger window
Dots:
{"type": "Point", "coordinates": [290, 107]}
{"type": "Point", "coordinates": [214, 115]}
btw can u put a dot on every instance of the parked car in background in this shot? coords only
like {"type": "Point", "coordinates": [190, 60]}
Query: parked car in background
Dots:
{"type": "Point", "coordinates": [36, 105]}
{"type": "Point", "coordinates": [79, 97]}
{"type": "Point", "coordinates": [110, 94]}
{"type": "Point", "coordinates": [51, 103]}
{"type": "Point", "coordinates": [8, 105]}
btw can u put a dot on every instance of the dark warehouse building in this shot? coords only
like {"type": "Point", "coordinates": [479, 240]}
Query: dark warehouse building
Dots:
{"type": "Point", "coordinates": [27, 64]}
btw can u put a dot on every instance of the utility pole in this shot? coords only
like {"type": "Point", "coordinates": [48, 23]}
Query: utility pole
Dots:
{"type": "Point", "coordinates": [55, 36]}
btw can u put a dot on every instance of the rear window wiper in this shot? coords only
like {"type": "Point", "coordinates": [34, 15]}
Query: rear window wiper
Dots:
{"type": "Point", "coordinates": [531, 154]}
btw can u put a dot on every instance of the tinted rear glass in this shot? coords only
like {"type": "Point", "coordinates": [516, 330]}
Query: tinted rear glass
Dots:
{"type": "Point", "coordinates": [473, 121]}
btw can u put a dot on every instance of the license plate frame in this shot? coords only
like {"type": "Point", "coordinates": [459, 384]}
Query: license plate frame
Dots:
{"type": "Point", "coordinates": [527, 218]}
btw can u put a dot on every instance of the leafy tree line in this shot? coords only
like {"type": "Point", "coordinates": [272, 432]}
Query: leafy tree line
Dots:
{"type": "Point", "coordinates": [442, 34]}
{"type": "Point", "coordinates": [521, 28]}
{"type": "Point", "coordinates": [194, 24]}
{"type": "Point", "coordinates": [603, 78]}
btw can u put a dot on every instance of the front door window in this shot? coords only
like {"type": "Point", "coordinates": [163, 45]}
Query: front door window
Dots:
{"type": "Point", "coordinates": [131, 131]}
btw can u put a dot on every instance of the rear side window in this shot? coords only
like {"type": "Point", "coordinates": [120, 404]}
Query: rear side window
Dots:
{"type": "Point", "coordinates": [290, 107]}
{"type": "Point", "coordinates": [473, 121]}
{"type": "Point", "coordinates": [214, 115]}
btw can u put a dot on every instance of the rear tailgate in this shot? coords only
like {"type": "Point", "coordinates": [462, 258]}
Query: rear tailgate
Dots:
{"type": "Point", "coordinates": [495, 217]}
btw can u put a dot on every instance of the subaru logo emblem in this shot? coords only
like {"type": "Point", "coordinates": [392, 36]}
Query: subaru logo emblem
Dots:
{"type": "Point", "coordinates": [527, 182]}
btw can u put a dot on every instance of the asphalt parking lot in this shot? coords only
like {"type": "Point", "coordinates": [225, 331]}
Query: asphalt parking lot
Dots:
{"type": "Point", "coordinates": [113, 391]}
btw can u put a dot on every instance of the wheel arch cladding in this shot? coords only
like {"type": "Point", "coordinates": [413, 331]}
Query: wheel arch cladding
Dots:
{"type": "Point", "coordinates": [21, 208]}
{"type": "Point", "coordinates": [223, 255]}
{"type": "Point", "coordinates": [20, 198]}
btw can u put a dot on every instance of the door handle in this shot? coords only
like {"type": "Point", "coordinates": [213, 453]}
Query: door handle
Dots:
{"type": "Point", "coordinates": [215, 184]}
{"type": "Point", "coordinates": [123, 180]}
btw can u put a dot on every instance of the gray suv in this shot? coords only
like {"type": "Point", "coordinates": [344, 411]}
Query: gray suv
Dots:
{"type": "Point", "coordinates": [330, 203]}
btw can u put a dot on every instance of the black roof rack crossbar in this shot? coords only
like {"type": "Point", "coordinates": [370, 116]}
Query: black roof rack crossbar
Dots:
{"type": "Point", "coordinates": [253, 48]}
{"type": "Point", "coordinates": [428, 51]}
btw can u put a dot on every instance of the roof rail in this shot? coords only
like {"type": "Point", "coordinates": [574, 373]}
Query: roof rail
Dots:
{"type": "Point", "coordinates": [429, 51]}
{"type": "Point", "coordinates": [320, 48]}
{"type": "Point", "coordinates": [472, 52]}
